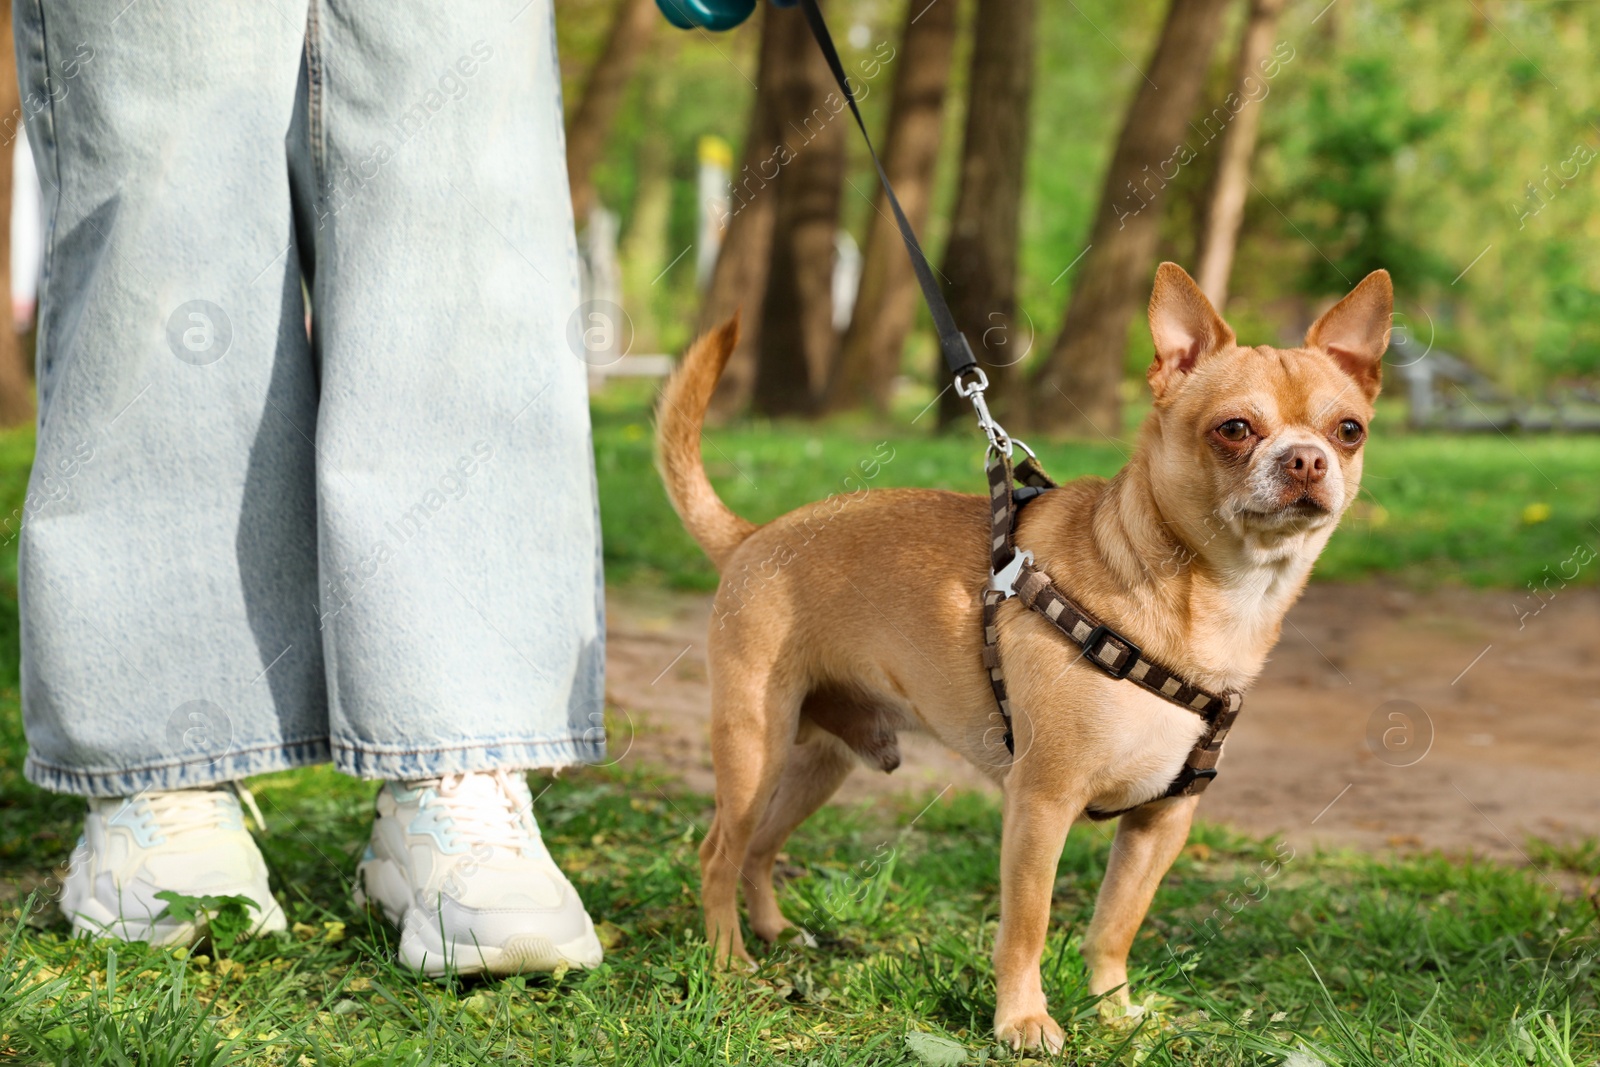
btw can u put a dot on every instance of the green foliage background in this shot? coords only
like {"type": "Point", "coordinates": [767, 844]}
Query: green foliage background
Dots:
{"type": "Point", "coordinates": [1399, 133]}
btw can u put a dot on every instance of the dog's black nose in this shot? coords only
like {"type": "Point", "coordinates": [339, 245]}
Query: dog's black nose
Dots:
{"type": "Point", "coordinates": [1306, 464]}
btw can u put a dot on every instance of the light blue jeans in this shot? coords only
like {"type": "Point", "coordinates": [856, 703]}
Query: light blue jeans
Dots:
{"type": "Point", "coordinates": [246, 550]}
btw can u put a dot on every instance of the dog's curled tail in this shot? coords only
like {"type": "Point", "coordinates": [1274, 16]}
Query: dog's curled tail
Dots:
{"type": "Point", "coordinates": [679, 417]}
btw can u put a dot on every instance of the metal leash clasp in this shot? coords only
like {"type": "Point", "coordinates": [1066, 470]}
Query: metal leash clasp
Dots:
{"type": "Point", "coordinates": [999, 440]}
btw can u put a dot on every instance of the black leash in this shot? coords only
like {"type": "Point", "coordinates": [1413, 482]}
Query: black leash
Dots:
{"type": "Point", "coordinates": [952, 342]}
{"type": "Point", "coordinates": [969, 381]}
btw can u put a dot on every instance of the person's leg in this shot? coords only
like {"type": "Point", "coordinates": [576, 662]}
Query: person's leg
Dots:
{"type": "Point", "coordinates": [458, 528]}
{"type": "Point", "coordinates": [167, 557]}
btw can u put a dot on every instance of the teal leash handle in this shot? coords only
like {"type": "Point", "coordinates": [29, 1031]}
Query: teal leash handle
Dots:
{"type": "Point", "coordinates": [715, 15]}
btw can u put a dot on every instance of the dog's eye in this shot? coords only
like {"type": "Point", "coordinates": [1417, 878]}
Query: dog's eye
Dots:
{"type": "Point", "coordinates": [1234, 430]}
{"type": "Point", "coordinates": [1350, 432]}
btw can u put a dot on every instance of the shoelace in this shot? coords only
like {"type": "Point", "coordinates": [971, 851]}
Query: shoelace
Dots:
{"type": "Point", "coordinates": [487, 806]}
{"type": "Point", "coordinates": [186, 810]}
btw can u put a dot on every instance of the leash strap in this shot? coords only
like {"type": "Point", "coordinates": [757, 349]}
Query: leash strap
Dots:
{"type": "Point", "coordinates": [952, 342]}
{"type": "Point", "coordinates": [1014, 574]}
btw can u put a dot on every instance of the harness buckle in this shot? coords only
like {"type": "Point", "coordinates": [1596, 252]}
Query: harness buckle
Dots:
{"type": "Point", "coordinates": [1005, 579]}
{"type": "Point", "coordinates": [1098, 635]}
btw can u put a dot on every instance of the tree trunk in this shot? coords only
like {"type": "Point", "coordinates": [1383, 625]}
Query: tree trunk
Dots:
{"type": "Point", "coordinates": [980, 259]}
{"type": "Point", "coordinates": [798, 339]}
{"type": "Point", "coordinates": [644, 253]}
{"type": "Point", "coordinates": [597, 108]}
{"type": "Point", "coordinates": [16, 398]}
{"type": "Point", "coordinates": [1230, 185]}
{"type": "Point", "coordinates": [739, 279]}
{"type": "Point", "coordinates": [886, 302]}
{"type": "Point", "coordinates": [1076, 390]}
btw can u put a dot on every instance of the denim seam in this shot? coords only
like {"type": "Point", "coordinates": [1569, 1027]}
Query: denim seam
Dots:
{"type": "Point", "coordinates": [123, 782]}
{"type": "Point", "coordinates": [146, 768]}
{"type": "Point", "coordinates": [410, 750]}
{"type": "Point", "coordinates": [43, 360]}
{"type": "Point", "coordinates": [314, 97]}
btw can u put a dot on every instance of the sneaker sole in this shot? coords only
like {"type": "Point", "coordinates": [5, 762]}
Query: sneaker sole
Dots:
{"type": "Point", "coordinates": [422, 944]}
{"type": "Point", "coordinates": [422, 949]}
{"type": "Point", "coordinates": [91, 919]}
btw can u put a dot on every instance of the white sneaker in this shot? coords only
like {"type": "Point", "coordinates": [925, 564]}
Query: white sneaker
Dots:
{"type": "Point", "coordinates": [190, 841]}
{"type": "Point", "coordinates": [458, 865]}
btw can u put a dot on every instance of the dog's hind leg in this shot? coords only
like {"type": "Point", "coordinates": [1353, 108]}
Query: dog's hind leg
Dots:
{"type": "Point", "coordinates": [754, 714]}
{"type": "Point", "coordinates": [1148, 840]}
{"type": "Point", "coordinates": [817, 765]}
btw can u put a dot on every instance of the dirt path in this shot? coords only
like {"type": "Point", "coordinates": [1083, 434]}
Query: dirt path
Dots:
{"type": "Point", "coordinates": [1499, 740]}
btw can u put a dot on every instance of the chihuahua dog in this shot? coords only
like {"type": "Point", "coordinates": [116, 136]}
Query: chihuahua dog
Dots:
{"type": "Point", "coordinates": [845, 622]}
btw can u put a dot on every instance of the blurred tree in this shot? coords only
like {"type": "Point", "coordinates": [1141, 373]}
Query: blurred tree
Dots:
{"type": "Point", "coordinates": [1360, 125]}
{"type": "Point", "coordinates": [739, 279]}
{"type": "Point", "coordinates": [798, 339]}
{"type": "Point", "coordinates": [16, 396]}
{"type": "Point", "coordinates": [980, 258]}
{"type": "Point", "coordinates": [644, 251]}
{"type": "Point", "coordinates": [886, 301]}
{"type": "Point", "coordinates": [1508, 177]}
{"type": "Point", "coordinates": [602, 94]}
{"type": "Point", "coordinates": [1075, 390]}
{"type": "Point", "coordinates": [1219, 235]}
{"type": "Point", "coordinates": [1568, 341]}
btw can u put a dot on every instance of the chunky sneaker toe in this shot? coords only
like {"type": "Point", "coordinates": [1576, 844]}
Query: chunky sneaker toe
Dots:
{"type": "Point", "coordinates": [458, 865]}
{"type": "Point", "coordinates": [190, 841]}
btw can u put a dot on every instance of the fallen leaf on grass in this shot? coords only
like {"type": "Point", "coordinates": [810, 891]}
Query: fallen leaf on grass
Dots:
{"type": "Point", "coordinates": [935, 1051]}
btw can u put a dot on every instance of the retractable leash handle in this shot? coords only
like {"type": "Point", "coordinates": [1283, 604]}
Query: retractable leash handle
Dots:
{"type": "Point", "coordinates": [710, 14]}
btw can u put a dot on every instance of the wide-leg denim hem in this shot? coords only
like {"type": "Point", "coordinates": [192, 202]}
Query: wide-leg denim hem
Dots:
{"type": "Point", "coordinates": [185, 774]}
{"type": "Point", "coordinates": [511, 754]}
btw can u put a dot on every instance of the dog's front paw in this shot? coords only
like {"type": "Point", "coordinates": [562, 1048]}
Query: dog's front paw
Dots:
{"type": "Point", "coordinates": [1031, 1031]}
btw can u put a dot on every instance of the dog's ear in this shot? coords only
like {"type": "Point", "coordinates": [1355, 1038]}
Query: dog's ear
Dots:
{"type": "Point", "coordinates": [1184, 326]}
{"type": "Point", "coordinates": [1355, 331]}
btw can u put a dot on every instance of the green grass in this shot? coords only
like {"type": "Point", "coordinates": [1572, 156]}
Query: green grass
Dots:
{"type": "Point", "coordinates": [1423, 961]}
{"type": "Point", "coordinates": [1361, 961]}
{"type": "Point", "coordinates": [1481, 510]}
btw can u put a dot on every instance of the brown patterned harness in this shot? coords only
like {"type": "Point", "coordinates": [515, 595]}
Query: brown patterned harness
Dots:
{"type": "Point", "coordinates": [1012, 573]}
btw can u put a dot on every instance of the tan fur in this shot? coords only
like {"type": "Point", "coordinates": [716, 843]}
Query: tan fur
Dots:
{"type": "Point", "coordinates": [843, 622]}
{"type": "Point", "coordinates": [680, 417]}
